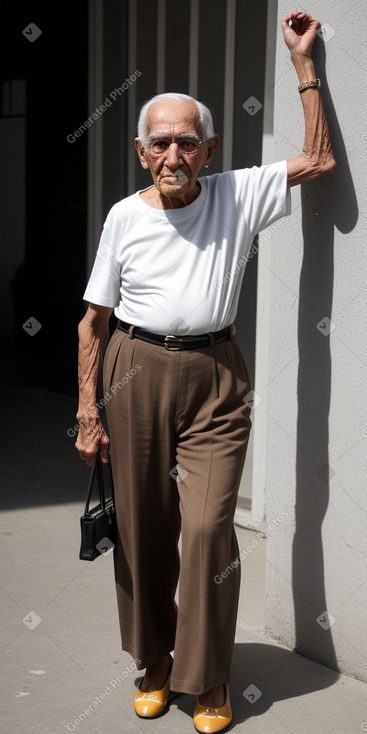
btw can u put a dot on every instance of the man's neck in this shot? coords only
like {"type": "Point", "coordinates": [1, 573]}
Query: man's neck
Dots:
{"type": "Point", "coordinates": [157, 200]}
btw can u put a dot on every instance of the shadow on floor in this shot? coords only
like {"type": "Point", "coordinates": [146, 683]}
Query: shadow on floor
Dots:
{"type": "Point", "coordinates": [267, 673]}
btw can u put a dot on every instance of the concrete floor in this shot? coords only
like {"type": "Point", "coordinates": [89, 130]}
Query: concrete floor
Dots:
{"type": "Point", "coordinates": [60, 644]}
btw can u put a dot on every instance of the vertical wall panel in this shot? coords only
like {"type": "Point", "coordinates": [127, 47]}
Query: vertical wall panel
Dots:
{"type": "Point", "coordinates": [177, 46]}
{"type": "Point", "coordinates": [146, 59]}
{"type": "Point", "coordinates": [247, 142]}
{"type": "Point", "coordinates": [132, 96]}
{"type": "Point", "coordinates": [212, 65]}
{"type": "Point", "coordinates": [94, 140]}
{"type": "Point", "coordinates": [194, 48]}
{"type": "Point", "coordinates": [114, 119]}
{"type": "Point", "coordinates": [229, 71]}
{"type": "Point", "coordinates": [249, 82]}
{"type": "Point", "coordinates": [161, 46]}
{"type": "Point", "coordinates": [146, 49]}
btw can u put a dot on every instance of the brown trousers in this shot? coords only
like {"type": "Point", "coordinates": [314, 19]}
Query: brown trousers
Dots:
{"type": "Point", "coordinates": [178, 431]}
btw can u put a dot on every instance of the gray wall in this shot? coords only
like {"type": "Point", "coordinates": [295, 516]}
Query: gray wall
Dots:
{"type": "Point", "coordinates": [317, 426]}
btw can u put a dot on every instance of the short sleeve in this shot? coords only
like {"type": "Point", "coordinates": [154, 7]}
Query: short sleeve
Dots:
{"type": "Point", "coordinates": [103, 287]}
{"type": "Point", "coordinates": [266, 195]}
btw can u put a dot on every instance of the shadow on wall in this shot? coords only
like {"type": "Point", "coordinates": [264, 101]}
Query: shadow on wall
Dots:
{"type": "Point", "coordinates": [326, 203]}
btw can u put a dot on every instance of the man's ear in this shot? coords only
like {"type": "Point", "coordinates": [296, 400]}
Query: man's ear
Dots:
{"type": "Point", "coordinates": [213, 145]}
{"type": "Point", "coordinates": [141, 152]}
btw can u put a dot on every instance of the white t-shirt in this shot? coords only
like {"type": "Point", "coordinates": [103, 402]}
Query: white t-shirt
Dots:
{"type": "Point", "coordinates": [179, 271]}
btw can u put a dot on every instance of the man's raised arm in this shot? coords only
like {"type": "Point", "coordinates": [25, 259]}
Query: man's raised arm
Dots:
{"type": "Point", "coordinates": [317, 157]}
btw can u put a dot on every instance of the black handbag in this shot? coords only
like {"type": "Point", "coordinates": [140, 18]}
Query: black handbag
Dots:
{"type": "Point", "coordinates": [98, 525]}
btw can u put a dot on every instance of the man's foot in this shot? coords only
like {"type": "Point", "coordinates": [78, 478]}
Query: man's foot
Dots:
{"type": "Point", "coordinates": [152, 695]}
{"type": "Point", "coordinates": [215, 715]}
{"type": "Point", "coordinates": [156, 675]}
{"type": "Point", "coordinates": [215, 698]}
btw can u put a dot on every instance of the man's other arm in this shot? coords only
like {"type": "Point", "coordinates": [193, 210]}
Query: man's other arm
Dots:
{"type": "Point", "coordinates": [317, 157]}
{"type": "Point", "coordinates": [93, 335]}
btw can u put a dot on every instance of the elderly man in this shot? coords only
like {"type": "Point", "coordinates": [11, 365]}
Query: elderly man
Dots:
{"type": "Point", "coordinates": [176, 382]}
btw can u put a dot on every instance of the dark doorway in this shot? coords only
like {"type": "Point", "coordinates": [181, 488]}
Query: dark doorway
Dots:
{"type": "Point", "coordinates": [46, 46]}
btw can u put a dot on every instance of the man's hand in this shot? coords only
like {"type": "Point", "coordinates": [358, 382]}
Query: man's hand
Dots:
{"type": "Point", "coordinates": [300, 36]}
{"type": "Point", "coordinates": [92, 438]}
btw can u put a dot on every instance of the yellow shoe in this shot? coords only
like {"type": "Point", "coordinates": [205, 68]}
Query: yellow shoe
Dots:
{"type": "Point", "coordinates": [209, 720]}
{"type": "Point", "coordinates": [148, 704]}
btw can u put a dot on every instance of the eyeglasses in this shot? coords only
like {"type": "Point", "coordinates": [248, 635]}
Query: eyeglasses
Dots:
{"type": "Point", "coordinates": [188, 144]}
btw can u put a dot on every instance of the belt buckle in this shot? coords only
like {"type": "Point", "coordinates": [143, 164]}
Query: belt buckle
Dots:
{"type": "Point", "coordinates": [173, 343]}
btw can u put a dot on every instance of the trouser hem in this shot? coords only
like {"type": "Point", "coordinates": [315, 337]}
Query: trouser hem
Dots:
{"type": "Point", "coordinates": [147, 661]}
{"type": "Point", "coordinates": [197, 689]}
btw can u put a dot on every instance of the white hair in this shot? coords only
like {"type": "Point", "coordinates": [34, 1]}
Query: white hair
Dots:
{"type": "Point", "coordinates": [205, 115]}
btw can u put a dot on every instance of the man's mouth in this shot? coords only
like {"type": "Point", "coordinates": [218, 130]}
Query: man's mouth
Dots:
{"type": "Point", "coordinates": [176, 179]}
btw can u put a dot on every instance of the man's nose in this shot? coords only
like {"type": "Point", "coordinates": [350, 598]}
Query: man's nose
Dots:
{"type": "Point", "coordinates": [173, 156]}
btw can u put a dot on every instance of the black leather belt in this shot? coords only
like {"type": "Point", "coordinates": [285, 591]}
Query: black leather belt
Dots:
{"type": "Point", "coordinates": [176, 343]}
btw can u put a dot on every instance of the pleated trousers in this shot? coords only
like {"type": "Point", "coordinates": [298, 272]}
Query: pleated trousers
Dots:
{"type": "Point", "coordinates": [179, 430]}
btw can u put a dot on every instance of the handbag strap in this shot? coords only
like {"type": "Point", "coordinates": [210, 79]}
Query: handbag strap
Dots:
{"type": "Point", "coordinates": [97, 471]}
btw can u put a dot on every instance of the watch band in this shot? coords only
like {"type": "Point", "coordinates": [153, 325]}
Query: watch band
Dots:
{"type": "Point", "coordinates": [307, 85]}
